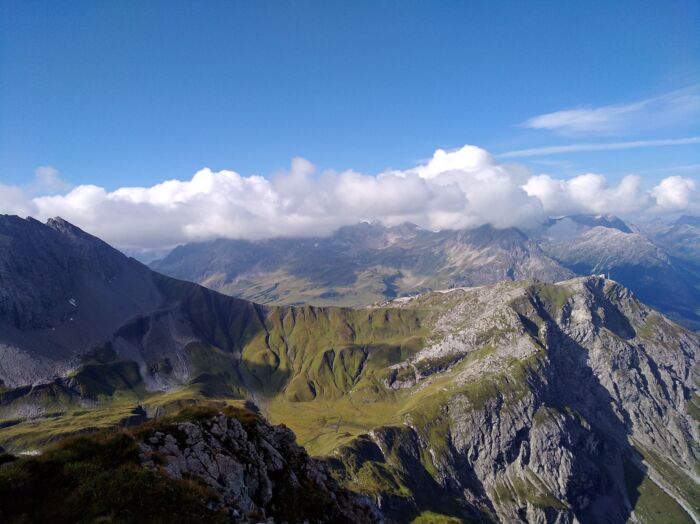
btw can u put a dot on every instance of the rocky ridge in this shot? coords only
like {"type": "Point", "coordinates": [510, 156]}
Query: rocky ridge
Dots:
{"type": "Point", "coordinates": [558, 398]}
{"type": "Point", "coordinates": [233, 466]}
{"type": "Point", "coordinates": [257, 471]}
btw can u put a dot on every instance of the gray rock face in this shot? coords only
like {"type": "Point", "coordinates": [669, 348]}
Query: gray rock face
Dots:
{"type": "Point", "coordinates": [64, 293]}
{"type": "Point", "coordinates": [256, 472]}
{"type": "Point", "coordinates": [51, 272]}
{"type": "Point", "coordinates": [557, 395]}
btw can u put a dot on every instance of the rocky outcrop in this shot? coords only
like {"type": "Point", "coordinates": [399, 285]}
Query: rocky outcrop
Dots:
{"type": "Point", "coordinates": [256, 472]}
{"type": "Point", "coordinates": [201, 465]}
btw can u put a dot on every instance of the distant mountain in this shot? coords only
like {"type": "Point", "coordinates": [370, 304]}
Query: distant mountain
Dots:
{"type": "Point", "coordinates": [680, 238]}
{"type": "Point", "coordinates": [515, 402]}
{"type": "Point", "coordinates": [633, 259]}
{"type": "Point", "coordinates": [360, 264]}
{"type": "Point", "coordinates": [366, 263]}
{"type": "Point", "coordinates": [580, 222]}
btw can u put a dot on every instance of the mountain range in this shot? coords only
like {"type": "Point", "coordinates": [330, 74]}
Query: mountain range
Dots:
{"type": "Point", "coordinates": [368, 263]}
{"type": "Point", "coordinates": [519, 401]}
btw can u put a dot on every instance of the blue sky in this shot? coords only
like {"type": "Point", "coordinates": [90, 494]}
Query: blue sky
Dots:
{"type": "Point", "coordinates": [133, 93]}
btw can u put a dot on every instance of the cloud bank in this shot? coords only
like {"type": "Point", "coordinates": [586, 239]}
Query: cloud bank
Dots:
{"type": "Point", "coordinates": [459, 189]}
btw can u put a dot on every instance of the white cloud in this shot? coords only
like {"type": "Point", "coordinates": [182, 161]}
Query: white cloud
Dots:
{"type": "Point", "coordinates": [16, 200]}
{"type": "Point", "coordinates": [589, 193]}
{"type": "Point", "coordinates": [676, 193]}
{"type": "Point", "coordinates": [47, 181]}
{"type": "Point", "coordinates": [574, 148]}
{"type": "Point", "coordinates": [458, 189]}
{"type": "Point", "coordinates": [668, 109]}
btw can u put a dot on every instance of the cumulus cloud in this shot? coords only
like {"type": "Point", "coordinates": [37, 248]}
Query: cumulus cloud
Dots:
{"type": "Point", "coordinates": [667, 109]}
{"type": "Point", "coordinates": [458, 189]}
{"type": "Point", "coordinates": [16, 200]}
{"type": "Point", "coordinates": [676, 193]}
{"type": "Point", "coordinates": [47, 181]}
{"type": "Point", "coordinates": [589, 193]}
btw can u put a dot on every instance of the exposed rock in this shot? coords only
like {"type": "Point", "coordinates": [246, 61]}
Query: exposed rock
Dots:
{"type": "Point", "coordinates": [581, 380]}
{"type": "Point", "coordinates": [258, 472]}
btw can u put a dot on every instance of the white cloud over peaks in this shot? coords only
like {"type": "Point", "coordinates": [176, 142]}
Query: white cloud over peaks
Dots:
{"type": "Point", "coordinates": [458, 189]}
{"type": "Point", "coordinates": [16, 200]}
{"type": "Point", "coordinates": [589, 193]}
{"type": "Point", "coordinates": [676, 193]}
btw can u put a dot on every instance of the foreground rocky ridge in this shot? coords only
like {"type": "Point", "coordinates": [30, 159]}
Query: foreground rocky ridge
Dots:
{"type": "Point", "coordinates": [225, 467]}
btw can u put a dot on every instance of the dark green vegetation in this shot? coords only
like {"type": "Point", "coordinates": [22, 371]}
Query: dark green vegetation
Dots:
{"type": "Point", "coordinates": [102, 478]}
{"type": "Point", "coordinates": [97, 478]}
